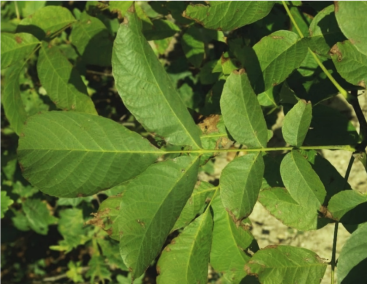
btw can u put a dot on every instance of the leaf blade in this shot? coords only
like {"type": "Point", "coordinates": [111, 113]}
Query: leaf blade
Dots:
{"type": "Point", "coordinates": [296, 123]}
{"type": "Point", "coordinates": [186, 259]}
{"type": "Point", "coordinates": [242, 113]}
{"type": "Point", "coordinates": [57, 75]}
{"type": "Point", "coordinates": [240, 184]}
{"type": "Point", "coordinates": [162, 111]}
{"type": "Point", "coordinates": [143, 231]}
{"type": "Point", "coordinates": [86, 140]}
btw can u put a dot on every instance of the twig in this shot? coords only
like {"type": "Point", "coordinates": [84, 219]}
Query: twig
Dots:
{"type": "Point", "coordinates": [361, 119]}
{"type": "Point", "coordinates": [333, 256]}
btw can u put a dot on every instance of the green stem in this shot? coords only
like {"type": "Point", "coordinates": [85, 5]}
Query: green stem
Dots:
{"type": "Point", "coordinates": [16, 10]}
{"type": "Point", "coordinates": [331, 78]}
{"type": "Point", "coordinates": [202, 151]}
{"type": "Point", "coordinates": [333, 256]}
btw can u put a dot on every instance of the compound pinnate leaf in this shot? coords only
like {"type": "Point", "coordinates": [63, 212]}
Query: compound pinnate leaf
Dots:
{"type": "Point", "coordinates": [16, 47]}
{"type": "Point", "coordinates": [351, 17]}
{"type": "Point", "coordinates": [195, 204]}
{"type": "Point", "coordinates": [296, 123]}
{"type": "Point", "coordinates": [11, 99]}
{"type": "Point", "coordinates": [147, 90]}
{"type": "Point", "coordinates": [228, 15]}
{"type": "Point", "coordinates": [242, 113]}
{"type": "Point", "coordinates": [62, 152]}
{"type": "Point", "coordinates": [92, 40]}
{"type": "Point", "coordinates": [301, 181]}
{"type": "Point", "coordinates": [38, 215]}
{"type": "Point", "coordinates": [186, 258]}
{"type": "Point", "coordinates": [240, 184]}
{"type": "Point", "coordinates": [193, 46]}
{"type": "Point", "coordinates": [353, 258]}
{"type": "Point", "coordinates": [350, 63]}
{"type": "Point", "coordinates": [278, 55]}
{"type": "Point", "coordinates": [5, 203]}
{"type": "Point", "coordinates": [286, 264]}
{"type": "Point", "coordinates": [344, 201]}
{"type": "Point", "coordinates": [62, 82]}
{"type": "Point", "coordinates": [150, 207]}
{"type": "Point", "coordinates": [324, 31]}
{"type": "Point", "coordinates": [229, 244]}
{"type": "Point", "coordinates": [46, 21]}
{"type": "Point", "coordinates": [283, 207]}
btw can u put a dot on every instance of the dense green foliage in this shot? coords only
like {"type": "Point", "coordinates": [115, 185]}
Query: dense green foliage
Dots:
{"type": "Point", "coordinates": [112, 113]}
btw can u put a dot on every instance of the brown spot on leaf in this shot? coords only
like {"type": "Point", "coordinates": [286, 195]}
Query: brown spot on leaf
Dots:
{"type": "Point", "coordinates": [336, 51]}
{"type": "Point", "coordinates": [325, 212]}
{"type": "Point", "coordinates": [22, 134]}
{"type": "Point", "coordinates": [240, 72]}
{"type": "Point", "coordinates": [72, 107]}
{"type": "Point", "coordinates": [89, 22]}
{"type": "Point", "coordinates": [247, 269]}
{"type": "Point", "coordinates": [21, 166]}
{"type": "Point", "coordinates": [209, 124]}
{"type": "Point", "coordinates": [167, 249]}
{"type": "Point", "coordinates": [271, 246]}
{"type": "Point", "coordinates": [80, 195]}
{"type": "Point", "coordinates": [362, 84]}
{"type": "Point", "coordinates": [158, 270]}
{"type": "Point", "coordinates": [48, 33]}
{"type": "Point", "coordinates": [131, 9]}
{"type": "Point", "coordinates": [336, 5]}
{"type": "Point", "coordinates": [18, 39]}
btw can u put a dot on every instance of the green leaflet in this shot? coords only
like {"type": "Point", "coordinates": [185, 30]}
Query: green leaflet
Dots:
{"type": "Point", "coordinates": [352, 260]}
{"type": "Point", "coordinates": [63, 83]}
{"type": "Point", "coordinates": [195, 204]}
{"type": "Point", "coordinates": [92, 40]}
{"type": "Point", "coordinates": [120, 6]}
{"type": "Point", "coordinates": [228, 15]}
{"type": "Point", "coordinates": [351, 17]}
{"type": "Point", "coordinates": [16, 47]}
{"type": "Point", "coordinates": [193, 46]}
{"type": "Point", "coordinates": [46, 21]}
{"type": "Point", "coordinates": [38, 215]}
{"type": "Point", "coordinates": [229, 244]}
{"type": "Point", "coordinates": [62, 153]}
{"type": "Point", "coordinates": [324, 31]}
{"type": "Point", "coordinates": [150, 207]}
{"type": "Point", "coordinates": [11, 99]}
{"type": "Point", "coordinates": [110, 249]}
{"type": "Point", "coordinates": [350, 63]}
{"type": "Point", "coordinates": [345, 201]}
{"type": "Point", "coordinates": [5, 203]}
{"type": "Point", "coordinates": [27, 8]}
{"type": "Point", "coordinates": [240, 184]}
{"type": "Point", "coordinates": [296, 123]}
{"type": "Point", "coordinates": [283, 207]}
{"type": "Point", "coordinates": [146, 89]}
{"type": "Point", "coordinates": [301, 181]}
{"type": "Point", "coordinates": [242, 113]}
{"type": "Point", "coordinates": [186, 258]}
{"type": "Point", "coordinates": [278, 54]}
{"type": "Point", "coordinates": [286, 264]}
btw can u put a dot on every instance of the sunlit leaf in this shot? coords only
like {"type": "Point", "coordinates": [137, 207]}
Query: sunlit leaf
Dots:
{"type": "Point", "coordinates": [228, 15]}
{"type": "Point", "coordinates": [296, 123]}
{"type": "Point", "coordinates": [240, 184]}
{"type": "Point", "coordinates": [150, 207]}
{"type": "Point", "coordinates": [186, 258]}
{"type": "Point", "coordinates": [87, 141]}
{"type": "Point", "coordinates": [286, 264]}
{"type": "Point", "coordinates": [242, 113]}
{"type": "Point", "coordinates": [62, 82]}
{"type": "Point", "coordinates": [146, 89]}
